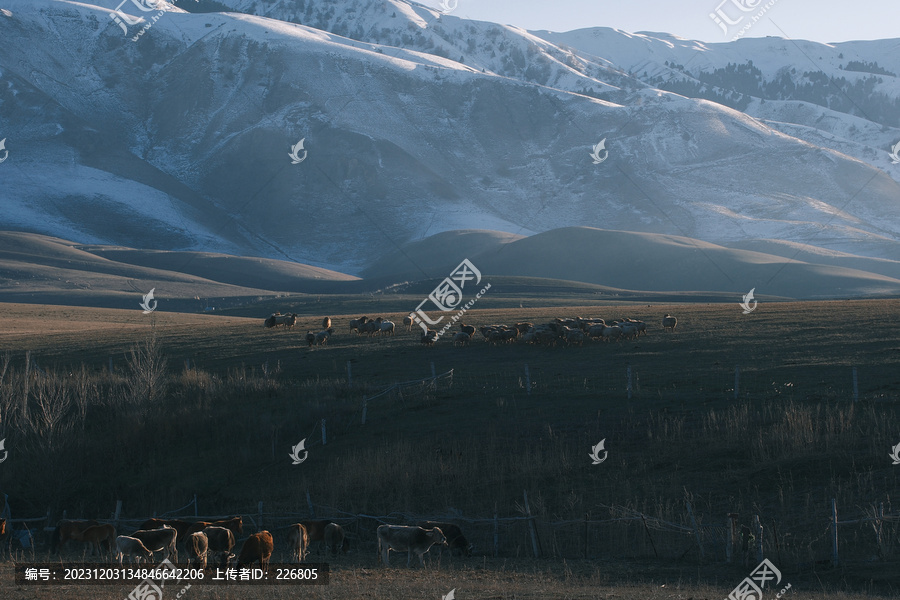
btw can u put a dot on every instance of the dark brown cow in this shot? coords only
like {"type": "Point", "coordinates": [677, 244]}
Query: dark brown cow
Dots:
{"type": "Point", "coordinates": [334, 538]}
{"type": "Point", "coordinates": [315, 530]}
{"type": "Point", "coordinates": [68, 530]}
{"type": "Point", "coordinates": [197, 549]}
{"type": "Point", "coordinates": [298, 542]}
{"type": "Point", "coordinates": [235, 524]}
{"type": "Point", "coordinates": [159, 540]}
{"type": "Point", "coordinates": [178, 525]}
{"type": "Point", "coordinates": [221, 540]}
{"type": "Point", "coordinates": [96, 534]}
{"type": "Point", "coordinates": [455, 538]}
{"type": "Point", "coordinates": [194, 528]}
{"type": "Point", "coordinates": [257, 547]}
{"type": "Point", "coordinates": [412, 540]}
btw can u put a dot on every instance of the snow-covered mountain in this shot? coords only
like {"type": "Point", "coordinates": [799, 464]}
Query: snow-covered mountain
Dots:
{"type": "Point", "coordinates": [415, 123]}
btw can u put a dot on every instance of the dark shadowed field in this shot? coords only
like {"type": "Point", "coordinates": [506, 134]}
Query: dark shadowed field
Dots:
{"type": "Point", "coordinates": [231, 399]}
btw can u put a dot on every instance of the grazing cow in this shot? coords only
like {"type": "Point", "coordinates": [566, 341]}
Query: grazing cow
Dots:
{"type": "Point", "coordinates": [408, 322]}
{"type": "Point", "coordinates": [96, 534]}
{"type": "Point", "coordinates": [315, 531]}
{"type": "Point", "coordinates": [235, 524]}
{"type": "Point", "coordinates": [159, 540]}
{"type": "Point", "coordinates": [298, 542]}
{"type": "Point", "coordinates": [455, 538]}
{"type": "Point", "coordinates": [133, 547]}
{"type": "Point", "coordinates": [412, 540]}
{"type": "Point", "coordinates": [194, 528]}
{"type": "Point", "coordinates": [197, 548]}
{"type": "Point", "coordinates": [334, 538]}
{"type": "Point", "coordinates": [257, 547]}
{"type": "Point", "coordinates": [326, 323]}
{"type": "Point", "coordinates": [220, 540]}
{"type": "Point", "coordinates": [179, 526]}
{"type": "Point", "coordinates": [669, 322]}
{"type": "Point", "coordinates": [68, 530]}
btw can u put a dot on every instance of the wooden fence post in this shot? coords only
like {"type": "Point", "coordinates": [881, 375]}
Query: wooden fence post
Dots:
{"type": "Point", "coordinates": [737, 381]}
{"type": "Point", "coordinates": [117, 513]}
{"type": "Point", "coordinates": [855, 386]}
{"type": "Point", "coordinates": [527, 380]}
{"type": "Point", "coordinates": [696, 529]}
{"type": "Point", "coordinates": [729, 544]}
{"type": "Point", "coordinates": [531, 526]}
{"type": "Point", "coordinates": [834, 533]}
{"type": "Point", "coordinates": [496, 532]}
{"type": "Point", "coordinates": [259, 512]}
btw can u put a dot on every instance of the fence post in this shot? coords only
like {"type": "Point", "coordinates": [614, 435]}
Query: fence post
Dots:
{"type": "Point", "coordinates": [496, 532]}
{"type": "Point", "coordinates": [527, 380]}
{"type": "Point", "coordinates": [855, 386]}
{"type": "Point", "coordinates": [349, 375]}
{"type": "Point", "coordinates": [312, 513]}
{"type": "Point", "coordinates": [365, 408]}
{"type": "Point", "coordinates": [117, 513]}
{"type": "Point", "coordinates": [758, 531]}
{"type": "Point", "coordinates": [628, 387]}
{"type": "Point", "coordinates": [737, 381]}
{"type": "Point", "coordinates": [696, 529]}
{"type": "Point", "coordinates": [834, 533]}
{"type": "Point", "coordinates": [324, 440]}
{"type": "Point", "coordinates": [531, 526]}
{"type": "Point", "coordinates": [260, 515]}
{"type": "Point", "coordinates": [729, 544]}
{"type": "Point", "coordinates": [586, 516]}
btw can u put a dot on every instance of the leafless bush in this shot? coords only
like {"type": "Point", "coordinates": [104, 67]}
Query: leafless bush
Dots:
{"type": "Point", "coordinates": [146, 381]}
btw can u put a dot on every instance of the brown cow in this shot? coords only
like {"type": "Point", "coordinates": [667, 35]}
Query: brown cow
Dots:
{"type": "Point", "coordinates": [316, 532]}
{"type": "Point", "coordinates": [197, 549]}
{"type": "Point", "coordinates": [334, 538]}
{"type": "Point", "coordinates": [179, 526]}
{"type": "Point", "coordinates": [96, 534]}
{"type": "Point", "coordinates": [257, 547]}
{"type": "Point", "coordinates": [68, 530]}
{"type": "Point", "coordinates": [159, 540]}
{"type": "Point", "coordinates": [298, 542]}
{"type": "Point", "coordinates": [235, 524]}
{"type": "Point", "coordinates": [455, 538]}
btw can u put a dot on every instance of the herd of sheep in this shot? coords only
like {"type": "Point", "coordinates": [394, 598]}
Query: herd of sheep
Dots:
{"type": "Point", "coordinates": [568, 331]}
